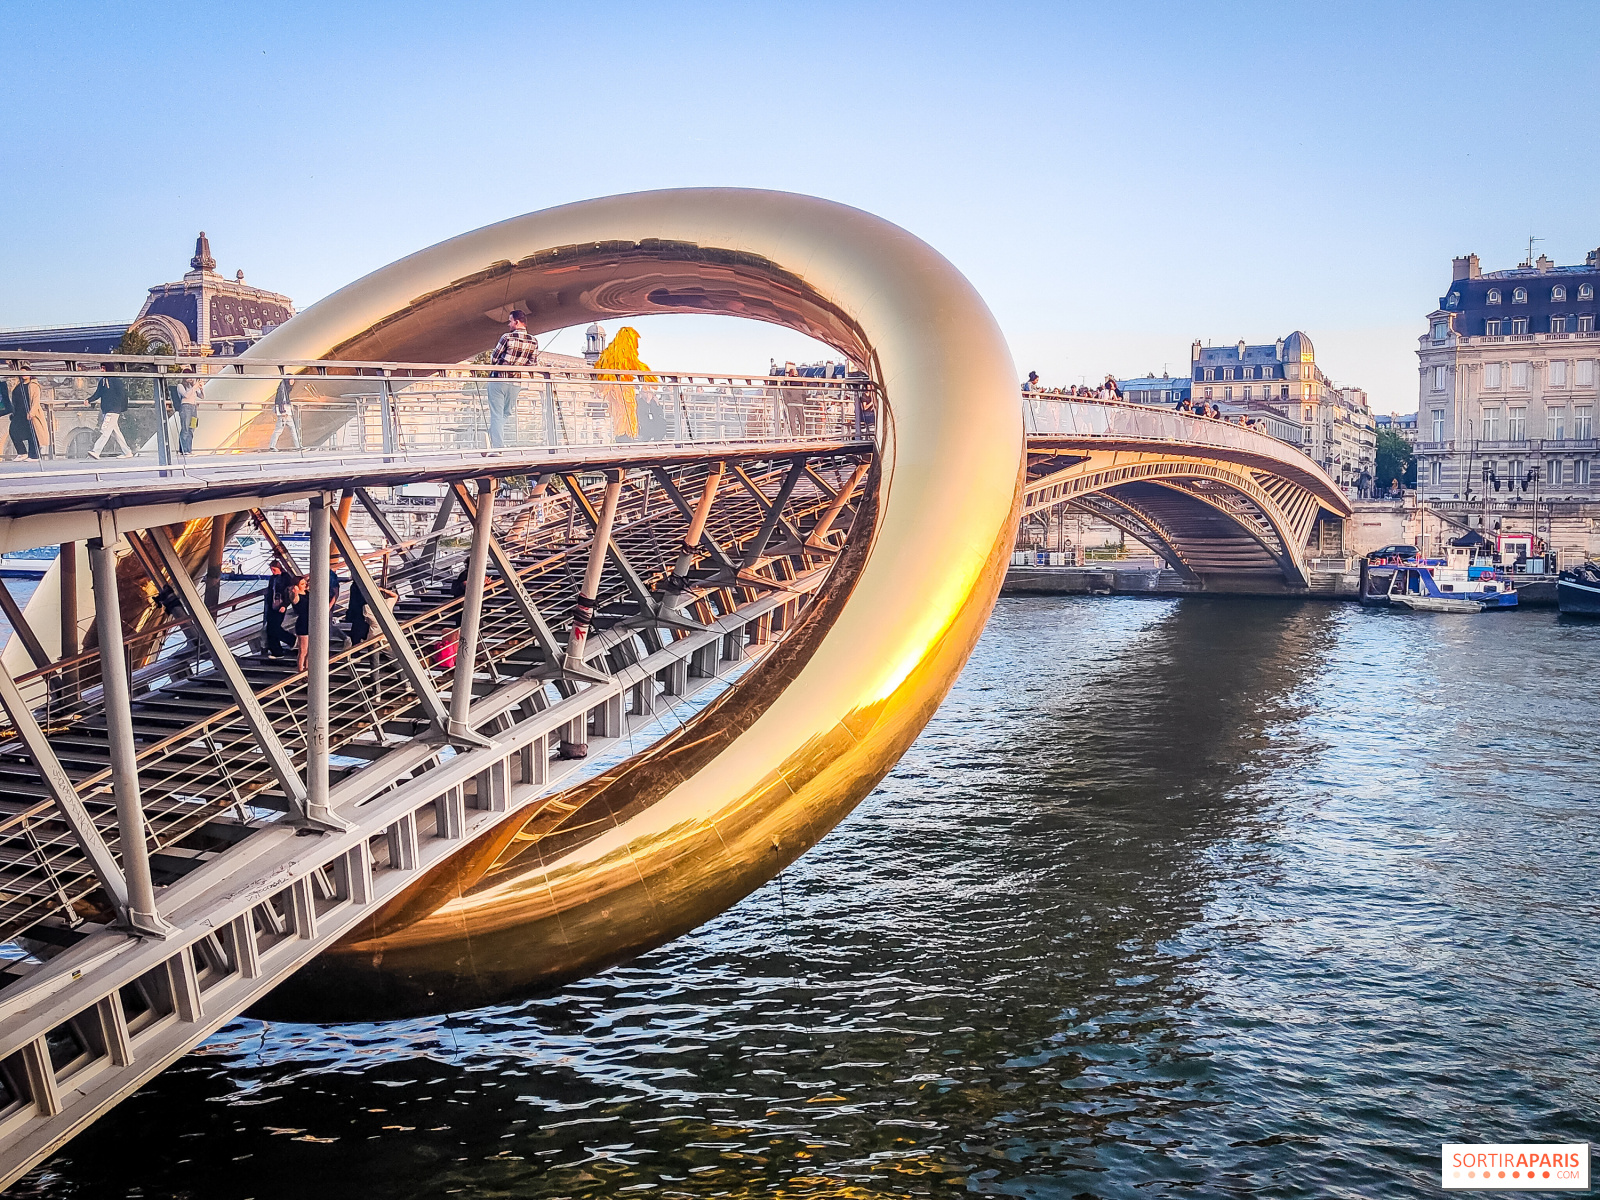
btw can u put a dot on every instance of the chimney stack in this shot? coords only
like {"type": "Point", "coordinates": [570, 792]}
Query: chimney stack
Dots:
{"type": "Point", "coordinates": [1545, 262]}
{"type": "Point", "coordinates": [1464, 268]}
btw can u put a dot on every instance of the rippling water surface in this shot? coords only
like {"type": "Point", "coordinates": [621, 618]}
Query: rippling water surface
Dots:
{"type": "Point", "coordinates": [1173, 897]}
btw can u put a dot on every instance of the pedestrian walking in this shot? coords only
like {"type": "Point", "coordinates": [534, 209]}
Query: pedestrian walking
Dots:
{"type": "Point", "coordinates": [360, 610]}
{"type": "Point", "coordinates": [111, 393]}
{"type": "Point", "coordinates": [276, 603]}
{"type": "Point", "coordinates": [26, 416]}
{"type": "Point", "coordinates": [516, 348]}
{"type": "Point", "coordinates": [302, 614]}
{"type": "Point", "coordinates": [283, 411]}
{"type": "Point", "coordinates": [191, 390]}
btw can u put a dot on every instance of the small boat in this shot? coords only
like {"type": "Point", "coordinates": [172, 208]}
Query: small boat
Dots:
{"type": "Point", "coordinates": [249, 555]}
{"type": "Point", "coordinates": [1578, 591]}
{"type": "Point", "coordinates": [28, 564]}
{"type": "Point", "coordinates": [1433, 587]}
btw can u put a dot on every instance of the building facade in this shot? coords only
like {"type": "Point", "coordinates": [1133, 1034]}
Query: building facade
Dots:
{"type": "Point", "coordinates": [1507, 385]}
{"type": "Point", "coordinates": [1335, 426]}
{"type": "Point", "coordinates": [202, 313]}
{"type": "Point", "coordinates": [1404, 424]}
{"type": "Point", "coordinates": [1155, 389]}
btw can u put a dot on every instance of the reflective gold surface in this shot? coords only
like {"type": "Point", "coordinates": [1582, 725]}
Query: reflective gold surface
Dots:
{"type": "Point", "coordinates": [765, 772]}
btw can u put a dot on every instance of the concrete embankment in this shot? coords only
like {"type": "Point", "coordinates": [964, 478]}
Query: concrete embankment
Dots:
{"type": "Point", "coordinates": [1142, 581]}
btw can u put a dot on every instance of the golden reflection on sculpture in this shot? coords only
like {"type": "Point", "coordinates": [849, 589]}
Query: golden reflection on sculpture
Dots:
{"type": "Point", "coordinates": [683, 831]}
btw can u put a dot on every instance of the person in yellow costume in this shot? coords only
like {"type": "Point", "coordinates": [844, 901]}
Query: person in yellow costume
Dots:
{"type": "Point", "coordinates": [623, 355]}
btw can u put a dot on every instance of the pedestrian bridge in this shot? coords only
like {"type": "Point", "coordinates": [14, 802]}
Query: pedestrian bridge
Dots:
{"type": "Point", "coordinates": [1228, 507]}
{"type": "Point", "coordinates": [614, 683]}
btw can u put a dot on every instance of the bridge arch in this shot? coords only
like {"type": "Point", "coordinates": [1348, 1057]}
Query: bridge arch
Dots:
{"type": "Point", "coordinates": [1223, 504]}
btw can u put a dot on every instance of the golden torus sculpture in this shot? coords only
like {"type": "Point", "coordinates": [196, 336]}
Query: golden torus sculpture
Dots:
{"type": "Point", "coordinates": [707, 815]}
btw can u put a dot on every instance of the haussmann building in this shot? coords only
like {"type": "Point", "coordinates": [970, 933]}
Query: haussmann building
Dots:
{"type": "Point", "coordinates": [1507, 394]}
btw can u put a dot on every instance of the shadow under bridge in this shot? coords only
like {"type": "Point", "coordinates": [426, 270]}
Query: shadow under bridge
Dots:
{"type": "Point", "coordinates": [1225, 506]}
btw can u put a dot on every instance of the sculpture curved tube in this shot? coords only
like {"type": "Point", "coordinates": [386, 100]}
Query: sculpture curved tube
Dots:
{"type": "Point", "coordinates": [710, 814]}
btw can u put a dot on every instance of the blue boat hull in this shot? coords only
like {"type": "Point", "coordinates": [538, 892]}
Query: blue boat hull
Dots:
{"type": "Point", "coordinates": [1578, 599]}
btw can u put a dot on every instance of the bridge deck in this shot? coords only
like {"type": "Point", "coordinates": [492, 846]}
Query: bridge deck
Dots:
{"type": "Point", "coordinates": [91, 1013]}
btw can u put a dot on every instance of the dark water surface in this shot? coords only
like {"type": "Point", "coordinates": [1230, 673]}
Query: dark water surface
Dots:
{"type": "Point", "coordinates": [1173, 897]}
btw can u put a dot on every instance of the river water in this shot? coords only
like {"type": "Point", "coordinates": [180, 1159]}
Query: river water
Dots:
{"type": "Point", "coordinates": [1173, 898]}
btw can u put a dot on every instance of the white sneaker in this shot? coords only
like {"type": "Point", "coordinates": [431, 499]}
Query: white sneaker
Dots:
{"type": "Point", "coordinates": [94, 454]}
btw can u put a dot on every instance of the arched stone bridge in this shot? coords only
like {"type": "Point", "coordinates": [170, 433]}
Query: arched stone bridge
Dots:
{"type": "Point", "coordinates": [1227, 507]}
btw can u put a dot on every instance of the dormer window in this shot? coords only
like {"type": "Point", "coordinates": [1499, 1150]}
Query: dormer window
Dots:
{"type": "Point", "coordinates": [1586, 291]}
{"type": "Point", "coordinates": [1493, 297]}
{"type": "Point", "coordinates": [1453, 300]}
{"type": "Point", "coordinates": [1558, 293]}
{"type": "Point", "coordinates": [1519, 296]}
{"type": "Point", "coordinates": [1249, 372]}
{"type": "Point", "coordinates": [1210, 374]}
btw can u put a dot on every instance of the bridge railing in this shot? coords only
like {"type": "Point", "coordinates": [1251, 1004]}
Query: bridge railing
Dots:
{"type": "Point", "coordinates": [1068, 417]}
{"type": "Point", "coordinates": [135, 412]}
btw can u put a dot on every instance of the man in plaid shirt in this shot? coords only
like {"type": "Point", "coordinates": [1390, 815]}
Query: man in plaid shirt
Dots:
{"type": "Point", "coordinates": [516, 348]}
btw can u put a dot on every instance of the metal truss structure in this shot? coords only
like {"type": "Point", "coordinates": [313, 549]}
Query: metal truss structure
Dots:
{"type": "Point", "coordinates": [463, 714]}
{"type": "Point", "coordinates": [632, 669]}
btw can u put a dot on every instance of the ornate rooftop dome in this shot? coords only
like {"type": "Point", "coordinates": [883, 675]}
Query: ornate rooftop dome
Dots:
{"type": "Point", "coordinates": [1297, 348]}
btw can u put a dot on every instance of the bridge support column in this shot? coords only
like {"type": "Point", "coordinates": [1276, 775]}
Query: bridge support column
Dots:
{"type": "Point", "coordinates": [676, 589]}
{"type": "Point", "coordinates": [317, 663]}
{"type": "Point", "coordinates": [574, 663]}
{"type": "Point", "coordinates": [142, 916]}
{"type": "Point", "coordinates": [472, 611]}
{"type": "Point", "coordinates": [831, 513]}
{"type": "Point", "coordinates": [507, 570]}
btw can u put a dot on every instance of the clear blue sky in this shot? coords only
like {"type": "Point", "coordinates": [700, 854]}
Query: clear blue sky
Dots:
{"type": "Point", "coordinates": [1116, 179]}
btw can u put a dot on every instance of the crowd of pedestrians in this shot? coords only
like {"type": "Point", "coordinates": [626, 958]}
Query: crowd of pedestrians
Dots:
{"type": "Point", "coordinates": [1111, 391]}
{"type": "Point", "coordinates": [286, 614]}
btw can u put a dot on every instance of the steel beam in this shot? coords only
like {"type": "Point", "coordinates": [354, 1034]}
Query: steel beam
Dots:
{"type": "Point", "coordinates": [218, 543]}
{"type": "Point", "coordinates": [471, 612]}
{"type": "Point", "coordinates": [682, 505]}
{"type": "Point", "coordinates": [774, 511]}
{"type": "Point", "coordinates": [279, 550]}
{"type": "Point", "coordinates": [441, 518]}
{"type": "Point", "coordinates": [509, 576]}
{"type": "Point", "coordinates": [142, 916]}
{"type": "Point", "coordinates": [399, 644]}
{"type": "Point", "coordinates": [588, 598]}
{"type": "Point", "coordinates": [320, 602]}
{"type": "Point", "coordinates": [391, 535]}
{"type": "Point", "coordinates": [30, 641]}
{"type": "Point", "coordinates": [835, 507]}
{"type": "Point", "coordinates": [266, 737]}
{"type": "Point", "coordinates": [68, 803]}
{"type": "Point", "coordinates": [635, 582]}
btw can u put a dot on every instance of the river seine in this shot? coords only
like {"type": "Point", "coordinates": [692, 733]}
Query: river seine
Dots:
{"type": "Point", "coordinates": [1173, 898]}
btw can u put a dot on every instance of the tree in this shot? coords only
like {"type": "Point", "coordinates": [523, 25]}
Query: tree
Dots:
{"type": "Point", "coordinates": [1395, 460]}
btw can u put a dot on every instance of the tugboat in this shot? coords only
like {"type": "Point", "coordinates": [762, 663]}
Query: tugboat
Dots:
{"type": "Point", "coordinates": [1578, 591]}
{"type": "Point", "coordinates": [1432, 587]}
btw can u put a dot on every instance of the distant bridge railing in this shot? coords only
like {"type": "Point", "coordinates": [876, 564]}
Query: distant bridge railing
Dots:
{"type": "Point", "coordinates": [182, 408]}
{"type": "Point", "coordinates": [1071, 417]}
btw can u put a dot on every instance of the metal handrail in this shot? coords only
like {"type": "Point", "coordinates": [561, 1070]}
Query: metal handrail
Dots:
{"type": "Point", "coordinates": [208, 368]}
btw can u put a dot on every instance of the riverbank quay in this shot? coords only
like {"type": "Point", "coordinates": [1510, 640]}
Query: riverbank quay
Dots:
{"type": "Point", "coordinates": [1341, 584]}
{"type": "Point", "coordinates": [1146, 581]}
